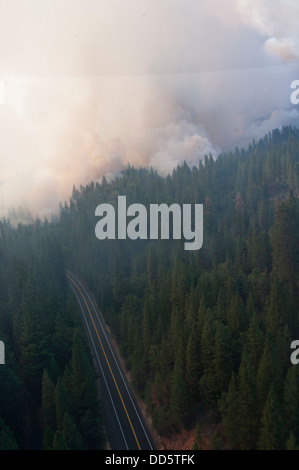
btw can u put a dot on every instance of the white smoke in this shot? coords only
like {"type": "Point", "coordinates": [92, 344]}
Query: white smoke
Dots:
{"type": "Point", "coordinates": [93, 85]}
{"type": "Point", "coordinates": [178, 142]}
{"type": "Point", "coordinates": [278, 21]}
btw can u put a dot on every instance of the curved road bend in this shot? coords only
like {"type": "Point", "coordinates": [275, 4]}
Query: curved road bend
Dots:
{"type": "Point", "coordinates": [125, 426]}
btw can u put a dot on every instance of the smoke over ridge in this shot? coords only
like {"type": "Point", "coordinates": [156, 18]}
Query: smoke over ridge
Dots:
{"type": "Point", "coordinates": [93, 85]}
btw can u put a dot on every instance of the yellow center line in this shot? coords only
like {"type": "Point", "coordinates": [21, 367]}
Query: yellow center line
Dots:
{"type": "Point", "coordinates": [97, 333]}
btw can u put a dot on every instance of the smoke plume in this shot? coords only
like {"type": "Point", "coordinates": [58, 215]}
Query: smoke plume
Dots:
{"type": "Point", "coordinates": [93, 85]}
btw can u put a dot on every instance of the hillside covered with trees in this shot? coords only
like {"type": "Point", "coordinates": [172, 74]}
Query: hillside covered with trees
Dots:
{"type": "Point", "coordinates": [205, 334]}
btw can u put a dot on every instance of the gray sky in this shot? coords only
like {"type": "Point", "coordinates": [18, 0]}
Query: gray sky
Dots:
{"type": "Point", "coordinates": [93, 84]}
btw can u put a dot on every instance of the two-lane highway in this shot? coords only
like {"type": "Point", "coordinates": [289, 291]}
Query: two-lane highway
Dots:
{"type": "Point", "coordinates": [125, 425]}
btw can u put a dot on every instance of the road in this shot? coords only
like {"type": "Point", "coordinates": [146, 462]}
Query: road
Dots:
{"type": "Point", "coordinates": [125, 425]}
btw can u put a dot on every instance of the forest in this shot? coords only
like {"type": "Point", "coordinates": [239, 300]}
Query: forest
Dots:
{"type": "Point", "coordinates": [205, 334]}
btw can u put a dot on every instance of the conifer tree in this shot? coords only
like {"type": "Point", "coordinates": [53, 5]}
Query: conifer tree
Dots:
{"type": "Point", "coordinates": [290, 407]}
{"type": "Point", "coordinates": [223, 357]}
{"type": "Point", "coordinates": [269, 371]}
{"type": "Point", "coordinates": [255, 341]}
{"type": "Point", "coordinates": [198, 443]}
{"type": "Point", "coordinates": [229, 408]}
{"type": "Point", "coordinates": [7, 439]}
{"type": "Point", "coordinates": [285, 240]}
{"type": "Point", "coordinates": [71, 434]}
{"type": "Point", "coordinates": [59, 442]}
{"type": "Point", "coordinates": [60, 404]}
{"type": "Point", "coordinates": [291, 443]}
{"type": "Point", "coordinates": [248, 412]}
{"type": "Point", "coordinates": [178, 397]}
{"type": "Point", "coordinates": [48, 403]}
{"type": "Point", "coordinates": [192, 364]}
{"type": "Point", "coordinates": [271, 434]}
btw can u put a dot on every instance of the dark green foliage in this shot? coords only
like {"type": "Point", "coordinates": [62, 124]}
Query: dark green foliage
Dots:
{"type": "Point", "coordinates": [255, 341]}
{"type": "Point", "coordinates": [179, 399]}
{"type": "Point", "coordinates": [291, 443]}
{"type": "Point", "coordinates": [271, 436]}
{"type": "Point", "coordinates": [248, 413]}
{"type": "Point", "coordinates": [229, 409]}
{"type": "Point", "coordinates": [7, 439]}
{"type": "Point", "coordinates": [269, 371]}
{"type": "Point", "coordinates": [204, 332]}
{"type": "Point", "coordinates": [285, 240]}
{"type": "Point", "coordinates": [40, 326]}
{"type": "Point", "coordinates": [48, 403]}
{"type": "Point", "coordinates": [59, 442]}
{"type": "Point", "coordinates": [290, 403]}
{"type": "Point", "coordinates": [239, 407]}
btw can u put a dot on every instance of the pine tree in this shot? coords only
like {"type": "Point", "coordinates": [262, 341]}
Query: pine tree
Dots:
{"type": "Point", "coordinates": [71, 434]}
{"type": "Point", "coordinates": [235, 314]}
{"type": "Point", "coordinates": [223, 357]}
{"type": "Point", "coordinates": [208, 386]}
{"type": "Point", "coordinates": [291, 442]}
{"type": "Point", "coordinates": [178, 397]}
{"type": "Point", "coordinates": [7, 439]}
{"type": "Point", "coordinates": [259, 249]}
{"type": "Point", "coordinates": [275, 312]}
{"type": "Point", "coordinates": [192, 364]}
{"type": "Point", "coordinates": [229, 408]}
{"type": "Point", "coordinates": [85, 406]}
{"type": "Point", "coordinates": [60, 404]}
{"type": "Point", "coordinates": [59, 442]}
{"type": "Point", "coordinates": [271, 434]}
{"type": "Point", "coordinates": [248, 412]}
{"type": "Point", "coordinates": [48, 403]}
{"type": "Point", "coordinates": [146, 325]}
{"type": "Point", "coordinates": [34, 352]}
{"type": "Point", "coordinates": [82, 377]}
{"type": "Point", "coordinates": [255, 341]}
{"type": "Point", "coordinates": [198, 443]}
{"type": "Point", "coordinates": [285, 240]}
{"type": "Point", "coordinates": [152, 267]}
{"type": "Point", "coordinates": [290, 407]}
{"type": "Point", "coordinates": [269, 371]}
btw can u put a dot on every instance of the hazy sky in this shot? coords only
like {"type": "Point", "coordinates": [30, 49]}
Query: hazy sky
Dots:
{"type": "Point", "coordinates": [93, 84]}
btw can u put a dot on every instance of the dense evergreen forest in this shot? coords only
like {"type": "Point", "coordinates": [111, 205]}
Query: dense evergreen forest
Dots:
{"type": "Point", "coordinates": [205, 334]}
{"type": "Point", "coordinates": [48, 389]}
